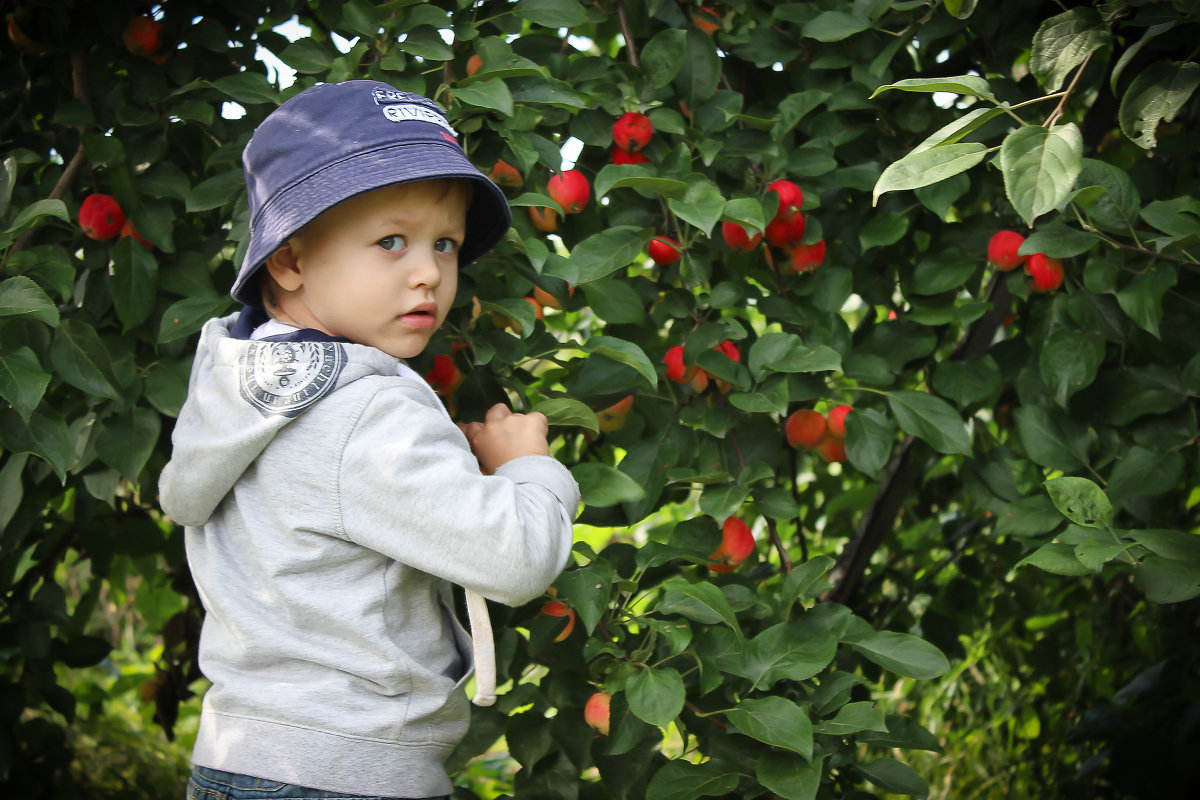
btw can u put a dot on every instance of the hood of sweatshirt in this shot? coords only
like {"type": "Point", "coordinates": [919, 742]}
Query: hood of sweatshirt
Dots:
{"type": "Point", "coordinates": [241, 393]}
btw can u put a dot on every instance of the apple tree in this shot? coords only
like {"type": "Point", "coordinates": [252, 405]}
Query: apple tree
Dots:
{"type": "Point", "coordinates": [842, 448]}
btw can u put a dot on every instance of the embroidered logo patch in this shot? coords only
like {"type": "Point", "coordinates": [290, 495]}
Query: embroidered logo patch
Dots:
{"type": "Point", "coordinates": [285, 378]}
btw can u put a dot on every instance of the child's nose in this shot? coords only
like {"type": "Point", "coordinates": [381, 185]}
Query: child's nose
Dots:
{"type": "Point", "coordinates": [425, 270]}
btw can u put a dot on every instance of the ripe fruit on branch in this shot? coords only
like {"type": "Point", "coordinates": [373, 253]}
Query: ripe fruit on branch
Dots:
{"type": "Point", "coordinates": [596, 712]}
{"type": "Point", "coordinates": [785, 231]}
{"type": "Point", "coordinates": [505, 174]}
{"type": "Point", "coordinates": [664, 250]}
{"type": "Point", "coordinates": [791, 198]}
{"type": "Point", "coordinates": [570, 189]}
{"type": "Point", "coordinates": [632, 131]}
{"type": "Point", "coordinates": [836, 419]}
{"type": "Point", "coordinates": [805, 427]}
{"type": "Point", "coordinates": [678, 372]}
{"type": "Point", "coordinates": [738, 238]}
{"type": "Point", "coordinates": [1046, 273]}
{"type": "Point", "coordinates": [101, 217]}
{"type": "Point", "coordinates": [142, 36]}
{"type": "Point", "coordinates": [737, 543]}
{"type": "Point", "coordinates": [807, 257]}
{"type": "Point", "coordinates": [544, 219]}
{"type": "Point", "coordinates": [546, 299]}
{"type": "Point", "coordinates": [444, 376]}
{"type": "Point", "coordinates": [554, 608]}
{"type": "Point", "coordinates": [620, 156]}
{"type": "Point", "coordinates": [1002, 250]}
{"type": "Point", "coordinates": [474, 63]}
{"type": "Point", "coordinates": [613, 418]}
{"type": "Point", "coordinates": [832, 448]}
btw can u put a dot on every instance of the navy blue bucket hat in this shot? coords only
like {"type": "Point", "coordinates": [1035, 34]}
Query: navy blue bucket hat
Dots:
{"type": "Point", "coordinates": [338, 140]}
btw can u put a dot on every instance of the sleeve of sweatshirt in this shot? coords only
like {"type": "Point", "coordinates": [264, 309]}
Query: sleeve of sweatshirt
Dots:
{"type": "Point", "coordinates": [410, 488]}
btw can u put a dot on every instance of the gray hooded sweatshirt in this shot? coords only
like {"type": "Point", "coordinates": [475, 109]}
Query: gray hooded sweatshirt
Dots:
{"type": "Point", "coordinates": [329, 504]}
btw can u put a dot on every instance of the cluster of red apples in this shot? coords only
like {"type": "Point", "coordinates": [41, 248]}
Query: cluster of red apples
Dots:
{"type": "Point", "coordinates": [1045, 273]}
{"type": "Point", "coordinates": [825, 433]}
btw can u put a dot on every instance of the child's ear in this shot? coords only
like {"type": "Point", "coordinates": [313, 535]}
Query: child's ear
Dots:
{"type": "Point", "coordinates": [284, 268]}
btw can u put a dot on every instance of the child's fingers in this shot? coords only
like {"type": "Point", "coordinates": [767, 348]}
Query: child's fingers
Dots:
{"type": "Point", "coordinates": [542, 424]}
{"type": "Point", "coordinates": [497, 413]}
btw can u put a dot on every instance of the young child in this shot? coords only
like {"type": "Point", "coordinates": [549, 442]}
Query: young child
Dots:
{"type": "Point", "coordinates": [328, 500]}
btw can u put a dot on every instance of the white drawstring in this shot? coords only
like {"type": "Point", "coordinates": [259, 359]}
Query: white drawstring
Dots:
{"type": "Point", "coordinates": [484, 649]}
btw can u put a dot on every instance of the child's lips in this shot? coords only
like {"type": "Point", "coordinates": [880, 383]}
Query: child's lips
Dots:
{"type": "Point", "coordinates": [421, 316]}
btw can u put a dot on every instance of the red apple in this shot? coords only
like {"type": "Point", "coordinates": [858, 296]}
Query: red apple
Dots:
{"type": "Point", "coordinates": [831, 448]}
{"type": "Point", "coordinates": [570, 189]}
{"type": "Point", "coordinates": [836, 419]}
{"type": "Point", "coordinates": [632, 131]}
{"type": "Point", "coordinates": [474, 63]}
{"type": "Point", "coordinates": [544, 219]}
{"type": "Point", "coordinates": [613, 418]}
{"type": "Point", "coordinates": [620, 156]}
{"type": "Point", "coordinates": [805, 427]}
{"type": "Point", "coordinates": [142, 36]}
{"type": "Point", "coordinates": [1002, 250]}
{"type": "Point", "coordinates": [737, 543]}
{"type": "Point", "coordinates": [505, 174]}
{"type": "Point", "coordinates": [738, 238]}
{"type": "Point", "coordinates": [664, 250]}
{"type": "Point", "coordinates": [791, 198]}
{"type": "Point", "coordinates": [101, 217]}
{"type": "Point", "coordinates": [1046, 273]}
{"type": "Point", "coordinates": [444, 377]}
{"type": "Point", "coordinates": [128, 230]}
{"type": "Point", "coordinates": [785, 231]}
{"type": "Point", "coordinates": [707, 20]}
{"type": "Point", "coordinates": [807, 257]}
{"type": "Point", "coordinates": [596, 712]}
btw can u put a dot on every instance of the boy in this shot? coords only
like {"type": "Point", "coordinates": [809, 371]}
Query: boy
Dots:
{"type": "Point", "coordinates": [328, 500]}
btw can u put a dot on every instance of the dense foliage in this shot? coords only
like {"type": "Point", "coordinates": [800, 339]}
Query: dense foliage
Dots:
{"type": "Point", "coordinates": [985, 585]}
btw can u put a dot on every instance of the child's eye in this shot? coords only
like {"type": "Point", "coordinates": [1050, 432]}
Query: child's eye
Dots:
{"type": "Point", "coordinates": [392, 243]}
{"type": "Point", "coordinates": [445, 245]}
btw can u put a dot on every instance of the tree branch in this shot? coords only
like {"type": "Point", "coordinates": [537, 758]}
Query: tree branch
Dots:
{"type": "Point", "coordinates": [627, 33]}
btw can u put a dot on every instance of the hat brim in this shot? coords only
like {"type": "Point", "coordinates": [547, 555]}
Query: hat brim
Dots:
{"type": "Point", "coordinates": [294, 207]}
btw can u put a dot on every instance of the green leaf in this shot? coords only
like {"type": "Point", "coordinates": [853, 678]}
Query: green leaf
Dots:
{"type": "Point", "coordinates": [794, 650]}
{"type": "Point", "coordinates": [134, 281]}
{"type": "Point", "coordinates": [45, 436]}
{"type": "Point", "coordinates": [601, 485]}
{"type": "Point", "coordinates": [1080, 501]}
{"type": "Point", "coordinates": [1166, 580]}
{"type": "Point", "coordinates": [568, 412]}
{"type": "Point", "coordinates": [774, 721]}
{"type": "Point", "coordinates": [427, 43]}
{"type": "Point", "coordinates": [31, 214]}
{"type": "Point", "coordinates": [852, 718]}
{"type": "Point", "coordinates": [614, 301]}
{"type": "Point", "coordinates": [1040, 167]}
{"type": "Point", "coordinates": [1058, 240]}
{"type": "Point", "coordinates": [960, 9]}
{"type": "Point", "coordinates": [1069, 361]}
{"type": "Point", "coordinates": [927, 167]}
{"type": "Point", "coordinates": [903, 654]}
{"type": "Point", "coordinates": [587, 589]}
{"type": "Point", "coordinates": [942, 271]}
{"type": "Point", "coordinates": [682, 780]}
{"type": "Point", "coordinates": [635, 176]}
{"type": "Point", "coordinates": [608, 251]}
{"type": "Point", "coordinates": [126, 443]}
{"type": "Point", "coordinates": [708, 603]}
{"type": "Point", "coordinates": [23, 382]}
{"type": "Point", "coordinates": [492, 94]}
{"type": "Point", "coordinates": [700, 72]}
{"type": "Point", "coordinates": [21, 297]}
{"type": "Point", "coordinates": [1051, 438]}
{"type": "Point", "coordinates": [1063, 42]}
{"type": "Point", "coordinates": [834, 26]}
{"type": "Point", "coordinates": [932, 419]}
{"type": "Point", "coordinates": [187, 316]}
{"type": "Point", "coordinates": [902, 732]}
{"type": "Point", "coordinates": [789, 777]}
{"type": "Point", "coordinates": [882, 230]}
{"type": "Point", "coordinates": [895, 776]}
{"type": "Point", "coordinates": [307, 56]}
{"type": "Point", "coordinates": [656, 696]}
{"type": "Point", "coordinates": [624, 352]}
{"type": "Point", "coordinates": [970, 85]}
{"type": "Point", "coordinates": [801, 582]}
{"type": "Point", "coordinates": [869, 439]}
{"type": "Point", "coordinates": [1117, 208]}
{"type": "Point", "coordinates": [81, 359]}
{"type": "Point", "coordinates": [701, 206]}
{"type": "Point", "coordinates": [1142, 298]}
{"type": "Point", "coordinates": [1175, 545]}
{"type": "Point", "coordinates": [551, 13]}
{"type": "Point", "coordinates": [216, 191]}
{"type": "Point", "coordinates": [967, 382]}
{"type": "Point", "coordinates": [1156, 95]}
{"type": "Point", "coordinates": [1030, 516]}
{"type": "Point", "coordinates": [662, 57]}
{"type": "Point", "coordinates": [249, 88]}
{"type": "Point", "coordinates": [786, 352]}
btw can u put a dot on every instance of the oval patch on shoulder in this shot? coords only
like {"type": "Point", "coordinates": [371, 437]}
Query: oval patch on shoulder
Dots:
{"type": "Point", "coordinates": [287, 377]}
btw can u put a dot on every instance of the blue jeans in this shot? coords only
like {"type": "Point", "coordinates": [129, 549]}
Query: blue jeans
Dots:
{"type": "Point", "coordinates": [213, 784]}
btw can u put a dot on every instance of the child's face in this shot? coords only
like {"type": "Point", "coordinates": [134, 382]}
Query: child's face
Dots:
{"type": "Point", "coordinates": [381, 269]}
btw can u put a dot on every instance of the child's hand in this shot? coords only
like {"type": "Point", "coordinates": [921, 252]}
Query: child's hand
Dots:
{"type": "Point", "coordinates": [503, 436]}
